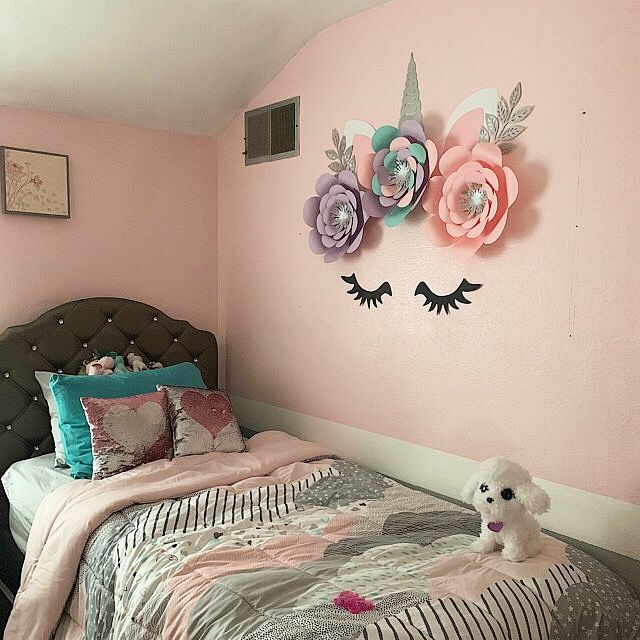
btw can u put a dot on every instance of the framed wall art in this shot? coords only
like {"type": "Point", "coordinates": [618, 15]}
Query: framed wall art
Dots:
{"type": "Point", "coordinates": [34, 182]}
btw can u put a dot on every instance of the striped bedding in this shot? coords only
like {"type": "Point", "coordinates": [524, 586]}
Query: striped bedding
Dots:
{"type": "Point", "coordinates": [263, 559]}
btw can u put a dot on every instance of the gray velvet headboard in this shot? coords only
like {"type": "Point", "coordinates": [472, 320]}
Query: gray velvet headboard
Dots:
{"type": "Point", "coordinates": [61, 338]}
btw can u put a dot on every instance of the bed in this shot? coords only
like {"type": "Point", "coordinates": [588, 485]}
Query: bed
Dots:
{"type": "Point", "coordinates": [253, 545]}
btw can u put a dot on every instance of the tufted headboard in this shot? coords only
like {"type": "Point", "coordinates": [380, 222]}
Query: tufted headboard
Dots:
{"type": "Point", "coordinates": [61, 338]}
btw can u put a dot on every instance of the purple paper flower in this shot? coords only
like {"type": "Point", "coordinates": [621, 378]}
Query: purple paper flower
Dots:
{"type": "Point", "coordinates": [335, 215]}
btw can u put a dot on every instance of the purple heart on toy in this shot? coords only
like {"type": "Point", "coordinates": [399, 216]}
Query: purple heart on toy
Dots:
{"type": "Point", "coordinates": [495, 526]}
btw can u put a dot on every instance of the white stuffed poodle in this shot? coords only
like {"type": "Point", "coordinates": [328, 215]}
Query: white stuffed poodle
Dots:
{"type": "Point", "coordinates": [504, 495]}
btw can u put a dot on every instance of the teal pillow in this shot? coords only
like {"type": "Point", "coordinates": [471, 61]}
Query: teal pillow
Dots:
{"type": "Point", "coordinates": [74, 429]}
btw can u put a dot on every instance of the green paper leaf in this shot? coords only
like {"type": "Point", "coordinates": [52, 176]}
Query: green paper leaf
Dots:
{"type": "Point", "coordinates": [512, 131]}
{"type": "Point", "coordinates": [342, 146]}
{"type": "Point", "coordinates": [383, 137]}
{"type": "Point", "coordinates": [515, 96]}
{"type": "Point", "coordinates": [331, 154]}
{"type": "Point", "coordinates": [336, 167]}
{"type": "Point", "coordinates": [418, 152]}
{"type": "Point", "coordinates": [352, 164]}
{"type": "Point", "coordinates": [335, 136]}
{"type": "Point", "coordinates": [348, 152]}
{"type": "Point", "coordinates": [503, 110]}
{"type": "Point", "coordinates": [397, 215]}
{"type": "Point", "coordinates": [492, 123]}
{"type": "Point", "coordinates": [375, 186]}
{"type": "Point", "coordinates": [520, 114]}
{"type": "Point", "coordinates": [390, 160]}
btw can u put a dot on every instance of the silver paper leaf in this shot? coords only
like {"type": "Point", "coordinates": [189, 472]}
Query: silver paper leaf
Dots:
{"type": "Point", "coordinates": [511, 132]}
{"type": "Point", "coordinates": [348, 153]}
{"type": "Point", "coordinates": [506, 147]}
{"type": "Point", "coordinates": [515, 96]}
{"type": "Point", "coordinates": [335, 136]}
{"type": "Point", "coordinates": [351, 165]}
{"type": "Point", "coordinates": [336, 167]}
{"type": "Point", "coordinates": [492, 123]}
{"type": "Point", "coordinates": [331, 154]}
{"type": "Point", "coordinates": [484, 135]}
{"type": "Point", "coordinates": [411, 108]}
{"type": "Point", "coordinates": [342, 145]}
{"type": "Point", "coordinates": [521, 113]}
{"type": "Point", "coordinates": [503, 110]}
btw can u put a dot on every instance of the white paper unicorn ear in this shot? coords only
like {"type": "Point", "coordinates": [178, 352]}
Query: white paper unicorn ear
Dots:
{"type": "Point", "coordinates": [353, 128]}
{"type": "Point", "coordinates": [485, 116]}
{"type": "Point", "coordinates": [468, 118]}
{"type": "Point", "coordinates": [358, 136]}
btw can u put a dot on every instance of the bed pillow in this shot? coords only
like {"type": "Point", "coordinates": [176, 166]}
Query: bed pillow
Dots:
{"type": "Point", "coordinates": [43, 378]}
{"type": "Point", "coordinates": [202, 421]}
{"type": "Point", "coordinates": [127, 432]}
{"type": "Point", "coordinates": [74, 429]}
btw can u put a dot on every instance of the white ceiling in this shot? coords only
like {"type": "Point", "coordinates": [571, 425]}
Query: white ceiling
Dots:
{"type": "Point", "coordinates": [179, 65]}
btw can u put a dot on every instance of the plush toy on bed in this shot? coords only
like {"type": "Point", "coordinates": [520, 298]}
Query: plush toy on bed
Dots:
{"type": "Point", "coordinates": [504, 495]}
{"type": "Point", "coordinates": [100, 366]}
{"type": "Point", "coordinates": [136, 363]}
{"type": "Point", "coordinates": [119, 366]}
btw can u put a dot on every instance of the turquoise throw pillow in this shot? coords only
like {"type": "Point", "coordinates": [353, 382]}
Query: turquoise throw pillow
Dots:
{"type": "Point", "coordinates": [74, 429]}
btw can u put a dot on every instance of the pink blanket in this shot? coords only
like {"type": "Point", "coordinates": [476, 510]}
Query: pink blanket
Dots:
{"type": "Point", "coordinates": [67, 517]}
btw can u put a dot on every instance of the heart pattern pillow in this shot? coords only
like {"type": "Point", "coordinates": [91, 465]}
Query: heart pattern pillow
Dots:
{"type": "Point", "coordinates": [202, 421]}
{"type": "Point", "coordinates": [127, 432]}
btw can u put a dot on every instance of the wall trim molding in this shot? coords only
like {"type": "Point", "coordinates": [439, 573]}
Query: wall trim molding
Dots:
{"type": "Point", "coordinates": [599, 520]}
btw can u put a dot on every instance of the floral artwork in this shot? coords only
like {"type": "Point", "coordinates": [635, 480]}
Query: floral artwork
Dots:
{"type": "Point", "coordinates": [336, 215]}
{"type": "Point", "coordinates": [401, 170]}
{"type": "Point", "coordinates": [470, 199]}
{"type": "Point", "coordinates": [466, 188]}
{"type": "Point", "coordinates": [35, 182]}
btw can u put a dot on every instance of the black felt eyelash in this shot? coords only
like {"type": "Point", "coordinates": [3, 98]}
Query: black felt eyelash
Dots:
{"type": "Point", "coordinates": [445, 302]}
{"type": "Point", "coordinates": [364, 295]}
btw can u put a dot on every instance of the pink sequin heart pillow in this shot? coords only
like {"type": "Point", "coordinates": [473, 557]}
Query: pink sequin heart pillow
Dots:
{"type": "Point", "coordinates": [202, 421]}
{"type": "Point", "coordinates": [127, 432]}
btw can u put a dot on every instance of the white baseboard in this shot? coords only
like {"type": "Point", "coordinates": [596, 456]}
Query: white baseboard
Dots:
{"type": "Point", "coordinates": [599, 520]}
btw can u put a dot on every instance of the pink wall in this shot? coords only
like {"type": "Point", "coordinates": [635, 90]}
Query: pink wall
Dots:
{"type": "Point", "coordinates": [143, 221]}
{"type": "Point", "coordinates": [543, 366]}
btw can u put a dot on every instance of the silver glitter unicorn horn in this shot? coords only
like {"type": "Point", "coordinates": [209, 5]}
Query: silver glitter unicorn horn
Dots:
{"type": "Point", "coordinates": [411, 106]}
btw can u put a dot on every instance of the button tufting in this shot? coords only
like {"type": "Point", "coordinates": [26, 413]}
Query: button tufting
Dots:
{"type": "Point", "coordinates": [175, 339]}
{"type": "Point", "coordinates": [85, 344]}
{"type": "Point", "coordinates": [34, 348]}
{"type": "Point", "coordinates": [35, 398]}
{"type": "Point", "coordinates": [8, 427]}
{"type": "Point", "coordinates": [6, 374]}
{"type": "Point", "coordinates": [155, 318]}
{"type": "Point", "coordinates": [59, 370]}
{"type": "Point", "coordinates": [132, 342]}
{"type": "Point", "coordinates": [195, 359]}
{"type": "Point", "coordinates": [109, 319]}
{"type": "Point", "coordinates": [60, 320]}
{"type": "Point", "coordinates": [36, 448]}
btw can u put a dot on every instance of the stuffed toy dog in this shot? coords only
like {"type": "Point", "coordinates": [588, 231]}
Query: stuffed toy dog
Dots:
{"type": "Point", "coordinates": [504, 495]}
{"type": "Point", "coordinates": [136, 362]}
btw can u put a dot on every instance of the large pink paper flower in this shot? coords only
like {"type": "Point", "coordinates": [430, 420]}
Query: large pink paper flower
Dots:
{"type": "Point", "coordinates": [470, 200]}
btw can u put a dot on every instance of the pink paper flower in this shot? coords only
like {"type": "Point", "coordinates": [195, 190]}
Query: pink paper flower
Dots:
{"type": "Point", "coordinates": [470, 200]}
{"type": "Point", "coordinates": [353, 603]}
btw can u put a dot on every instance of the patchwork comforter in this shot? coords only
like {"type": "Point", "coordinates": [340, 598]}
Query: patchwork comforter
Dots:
{"type": "Point", "coordinates": [256, 546]}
